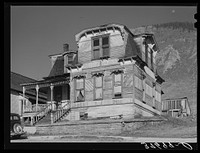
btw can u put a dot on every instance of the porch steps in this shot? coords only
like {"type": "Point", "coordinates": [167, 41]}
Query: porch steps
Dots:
{"type": "Point", "coordinates": [65, 112]}
{"type": "Point", "coordinates": [44, 120]}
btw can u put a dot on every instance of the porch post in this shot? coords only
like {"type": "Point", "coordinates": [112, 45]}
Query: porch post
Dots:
{"type": "Point", "coordinates": [51, 94]}
{"type": "Point", "coordinates": [37, 89]}
{"type": "Point", "coordinates": [23, 101]}
{"type": "Point", "coordinates": [51, 103]}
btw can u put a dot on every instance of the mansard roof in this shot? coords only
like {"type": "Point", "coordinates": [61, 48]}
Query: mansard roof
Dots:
{"type": "Point", "coordinates": [58, 67]}
{"type": "Point", "coordinates": [101, 27]}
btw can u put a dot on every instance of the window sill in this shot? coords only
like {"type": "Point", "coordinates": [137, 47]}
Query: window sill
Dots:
{"type": "Point", "coordinates": [117, 97]}
{"type": "Point", "coordinates": [79, 101]}
{"type": "Point", "coordinates": [97, 99]}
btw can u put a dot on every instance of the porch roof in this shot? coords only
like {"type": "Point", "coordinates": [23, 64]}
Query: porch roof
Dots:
{"type": "Point", "coordinates": [48, 81]}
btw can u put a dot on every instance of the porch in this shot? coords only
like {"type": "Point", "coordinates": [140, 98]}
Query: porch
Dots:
{"type": "Point", "coordinates": [55, 105]}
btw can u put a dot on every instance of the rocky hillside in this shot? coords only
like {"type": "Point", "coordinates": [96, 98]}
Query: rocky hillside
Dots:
{"type": "Point", "coordinates": [177, 59]}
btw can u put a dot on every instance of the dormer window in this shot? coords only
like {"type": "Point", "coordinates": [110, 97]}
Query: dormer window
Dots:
{"type": "Point", "coordinates": [70, 58]}
{"type": "Point", "coordinates": [100, 47]}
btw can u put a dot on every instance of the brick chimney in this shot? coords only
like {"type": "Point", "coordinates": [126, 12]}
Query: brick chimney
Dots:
{"type": "Point", "coordinates": [65, 47]}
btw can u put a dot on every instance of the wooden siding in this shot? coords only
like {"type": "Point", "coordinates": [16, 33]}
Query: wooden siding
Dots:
{"type": "Point", "coordinates": [72, 90]}
{"type": "Point", "coordinates": [116, 40]}
{"type": "Point", "coordinates": [158, 87]}
{"type": "Point", "coordinates": [127, 85]}
{"type": "Point", "coordinates": [148, 100]}
{"type": "Point", "coordinates": [117, 52]}
{"type": "Point", "coordinates": [15, 104]}
{"type": "Point", "coordinates": [116, 47]}
{"type": "Point", "coordinates": [138, 94]}
{"type": "Point", "coordinates": [149, 81]}
{"type": "Point", "coordinates": [138, 72]}
{"type": "Point", "coordinates": [112, 110]}
{"type": "Point", "coordinates": [107, 94]}
{"type": "Point", "coordinates": [158, 105]}
{"type": "Point", "coordinates": [84, 57]}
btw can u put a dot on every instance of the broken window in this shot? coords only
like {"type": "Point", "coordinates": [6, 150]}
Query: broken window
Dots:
{"type": "Point", "coordinates": [117, 86]}
{"type": "Point", "coordinates": [80, 94]}
{"type": "Point", "coordinates": [101, 47]}
{"type": "Point", "coordinates": [98, 87]}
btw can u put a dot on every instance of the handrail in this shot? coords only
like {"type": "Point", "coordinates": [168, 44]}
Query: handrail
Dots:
{"type": "Point", "coordinates": [62, 111]}
{"type": "Point", "coordinates": [40, 114]}
{"type": "Point", "coordinates": [32, 108]}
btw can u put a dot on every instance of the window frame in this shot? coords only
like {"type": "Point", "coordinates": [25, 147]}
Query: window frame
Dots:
{"type": "Point", "coordinates": [100, 47]}
{"type": "Point", "coordinates": [75, 89]}
{"type": "Point", "coordinates": [95, 87]}
{"type": "Point", "coordinates": [114, 84]}
{"type": "Point", "coordinates": [69, 58]}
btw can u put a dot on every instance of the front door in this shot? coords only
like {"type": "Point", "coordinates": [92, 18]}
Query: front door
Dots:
{"type": "Point", "coordinates": [58, 95]}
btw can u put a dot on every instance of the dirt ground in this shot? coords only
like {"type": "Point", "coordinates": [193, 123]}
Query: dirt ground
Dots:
{"type": "Point", "coordinates": [172, 128]}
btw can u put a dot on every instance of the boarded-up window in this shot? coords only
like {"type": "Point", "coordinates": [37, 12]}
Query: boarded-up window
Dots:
{"type": "Point", "coordinates": [158, 97]}
{"type": "Point", "coordinates": [148, 90]}
{"type": "Point", "coordinates": [138, 72]}
{"type": "Point", "coordinates": [79, 90]}
{"type": "Point", "coordinates": [98, 93]}
{"type": "Point", "coordinates": [117, 87]}
{"type": "Point", "coordinates": [158, 87]}
{"type": "Point", "coordinates": [138, 83]}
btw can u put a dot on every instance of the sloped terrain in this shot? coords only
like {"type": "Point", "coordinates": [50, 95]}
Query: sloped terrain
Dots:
{"type": "Point", "coordinates": [177, 59]}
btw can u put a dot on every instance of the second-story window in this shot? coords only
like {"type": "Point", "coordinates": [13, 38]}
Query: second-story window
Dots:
{"type": "Point", "coordinates": [98, 93]}
{"type": "Point", "coordinates": [117, 85]}
{"type": "Point", "coordinates": [100, 47]}
{"type": "Point", "coordinates": [79, 89]}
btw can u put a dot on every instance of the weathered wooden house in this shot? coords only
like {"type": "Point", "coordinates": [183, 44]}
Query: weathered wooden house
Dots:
{"type": "Point", "coordinates": [113, 73]}
{"type": "Point", "coordinates": [176, 107]}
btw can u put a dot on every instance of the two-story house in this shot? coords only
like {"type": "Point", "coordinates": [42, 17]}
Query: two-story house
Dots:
{"type": "Point", "coordinates": [113, 73]}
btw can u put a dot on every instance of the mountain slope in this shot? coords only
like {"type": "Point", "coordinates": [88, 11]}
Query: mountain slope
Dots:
{"type": "Point", "coordinates": [177, 59]}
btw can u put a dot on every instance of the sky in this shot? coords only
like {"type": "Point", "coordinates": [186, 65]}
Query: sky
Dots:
{"type": "Point", "coordinates": [39, 31]}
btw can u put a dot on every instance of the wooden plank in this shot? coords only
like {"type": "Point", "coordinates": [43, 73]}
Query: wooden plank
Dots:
{"type": "Point", "coordinates": [107, 83]}
{"type": "Point", "coordinates": [107, 94]}
{"type": "Point", "coordinates": [138, 94]}
{"type": "Point", "coordinates": [117, 52]}
{"type": "Point", "coordinates": [116, 40]}
{"type": "Point", "coordinates": [127, 95]}
{"type": "Point", "coordinates": [148, 100]}
{"type": "Point", "coordinates": [112, 110]}
{"type": "Point", "coordinates": [138, 71]}
{"type": "Point", "coordinates": [88, 95]}
{"type": "Point", "coordinates": [84, 57]}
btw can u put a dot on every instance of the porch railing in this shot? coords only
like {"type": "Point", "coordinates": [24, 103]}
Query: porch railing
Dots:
{"type": "Point", "coordinates": [61, 111]}
{"type": "Point", "coordinates": [32, 108]}
{"type": "Point", "coordinates": [42, 113]}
